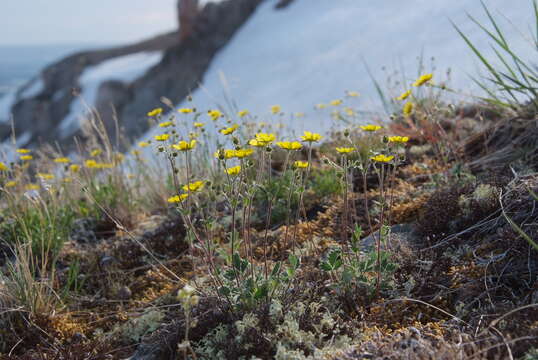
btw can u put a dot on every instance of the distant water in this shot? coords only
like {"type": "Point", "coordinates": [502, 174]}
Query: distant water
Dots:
{"type": "Point", "coordinates": [18, 64]}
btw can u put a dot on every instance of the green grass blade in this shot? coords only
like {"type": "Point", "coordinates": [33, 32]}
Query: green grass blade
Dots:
{"type": "Point", "coordinates": [494, 23]}
{"type": "Point", "coordinates": [379, 90]}
{"type": "Point", "coordinates": [484, 61]}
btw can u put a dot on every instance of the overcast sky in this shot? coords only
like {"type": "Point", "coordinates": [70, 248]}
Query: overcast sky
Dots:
{"type": "Point", "coordinates": [31, 22]}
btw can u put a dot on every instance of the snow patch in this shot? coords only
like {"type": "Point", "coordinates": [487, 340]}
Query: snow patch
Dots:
{"type": "Point", "coordinates": [126, 69]}
{"type": "Point", "coordinates": [35, 87]}
{"type": "Point", "coordinates": [314, 50]}
{"type": "Point", "coordinates": [6, 102]}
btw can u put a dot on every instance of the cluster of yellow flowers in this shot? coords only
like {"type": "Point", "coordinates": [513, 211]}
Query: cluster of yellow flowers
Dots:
{"type": "Point", "coordinates": [25, 156]}
{"type": "Point", "coordinates": [226, 154]}
{"type": "Point", "coordinates": [377, 158]}
{"type": "Point", "coordinates": [409, 106]}
{"type": "Point", "coordinates": [188, 188]}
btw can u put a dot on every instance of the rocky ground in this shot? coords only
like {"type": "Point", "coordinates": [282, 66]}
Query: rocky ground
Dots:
{"type": "Point", "coordinates": [464, 285]}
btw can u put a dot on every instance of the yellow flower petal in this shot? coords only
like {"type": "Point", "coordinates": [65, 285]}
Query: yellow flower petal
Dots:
{"type": "Point", "coordinates": [422, 80]}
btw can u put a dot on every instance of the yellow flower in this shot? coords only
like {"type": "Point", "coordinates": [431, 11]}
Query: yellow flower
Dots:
{"type": "Point", "coordinates": [185, 110]}
{"type": "Point", "coordinates": [185, 145]}
{"type": "Point", "coordinates": [290, 145]}
{"type": "Point", "coordinates": [275, 109]}
{"type": "Point", "coordinates": [234, 170]}
{"type": "Point", "coordinates": [135, 152]}
{"type": "Point", "coordinates": [30, 187]}
{"type": "Point", "coordinates": [321, 106]}
{"type": "Point", "coordinates": [162, 137]}
{"type": "Point", "coordinates": [243, 113]}
{"type": "Point", "coordinates": [262, 139]}
{"type": "Point", "coordinates": [74, 168]}
{"type": "Point", "coordinates": [214, 114]}
{"type": "Point", "coordinates": [225, 154]}
{"type": "Point", "coordinates": [311, 137]}
{"type": "Point", "coordinates": [194, 186]}
{"type": "Point", "coordinates": [300, 164]}
{"type": "Point", "coordinates": [26, 157]}
{"type": "Point", "coordinates": [92, 164]}
{"type": "Point", "coordinates": [3, 167]}
{"type": "Point", "coordinates": [353, 94]}
{"type": "Point", "coordinates": [349, 111]}
{"type": "Point", "coordinates": [105, 165]}
{"type": "Point", "coordinates": [67, 180]}
{"type": "Point", "coordinates": [23, 151]}
{"type": "Point", "coordinates": [404, 95]}
{"type": "Point", "coordinates": [336, 102]}
{"type": "Point", "coordinates": [242, 153]}
{"type": "Point", "coordinates": [230, 130]}
{"type": "Point", "coordinates": [143, 144]}
{"type": "Point", "coordinates": [398, 139]}
{"type": "Point", "coordinates": [370, 127]}
{"type": "Point", "coordinates": [408, 108]}
{"type": "Point", "coordinates": [178, 198]}
{"type": "Point", "coordinates": [11, 184]}
{"type": "Point", "coordinates": [166, 124]}
{"type": "Point", "coordinates": [62, 160]}
{"type": "Point", "coordinates": [345, 150]}
{"type": "Point", "coordinates": [423, 79]}
{"type": "Point", "coordinates": [299, 114]}
{"type": "Point", "coordinates": [155, 112]}
{"type": "Point", "coordinates": [382, 158]}
{"type": "Point", "coordinates": [96, 152]}
{"type": "Point", "coordinates": [44, 176]}
{"type": "Point", "coordinates": [198, 124]}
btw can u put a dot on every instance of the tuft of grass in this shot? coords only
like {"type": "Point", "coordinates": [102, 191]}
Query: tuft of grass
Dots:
{"type": "Point", "coordinates": [515, 81]}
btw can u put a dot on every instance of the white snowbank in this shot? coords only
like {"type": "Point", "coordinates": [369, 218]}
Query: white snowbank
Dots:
{"type": "Point", "coordinates": [126, 69]}
{"type": "Point", "coordinates": [314, 50]}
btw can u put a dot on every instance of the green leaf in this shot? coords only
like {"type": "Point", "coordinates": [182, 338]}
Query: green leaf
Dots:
{"type": "Point", "coordinates": [229, 274]}
{"type": "Point", "coordinates": [224, 290]}
{"type": "Point", "coordinates": [335, 259]}
{"type": "Point", "coordinates": [276, 269]}
{"type": "Point", "coordinates": [326, 266]}
{"type": "Point", "coordinates": [239, 264]}
{"type": "Point", "coordinates": [261, 292]}
{"type": "Point", "coordinates": [294, 261]}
